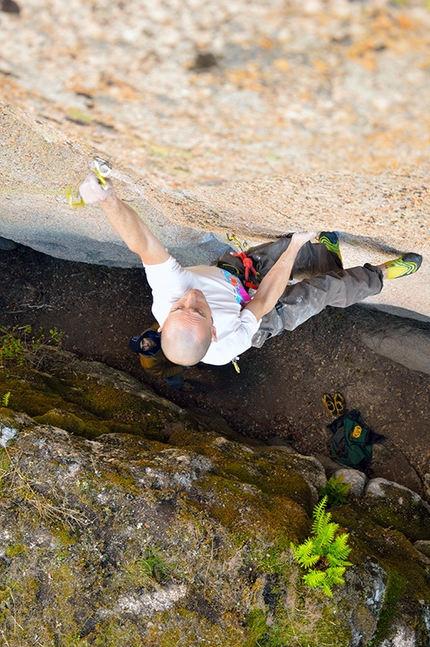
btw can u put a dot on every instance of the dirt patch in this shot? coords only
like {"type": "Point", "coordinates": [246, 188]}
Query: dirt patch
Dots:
{"type": "Point", "coordinates": [276, 396]}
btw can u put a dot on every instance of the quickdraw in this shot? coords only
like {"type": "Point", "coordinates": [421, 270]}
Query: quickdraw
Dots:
{"type": "Point", "coordinates": [235, 364]}
{"type": "Point", "coordinates": [102, 169]}
{"type": "Point", "coordinates": [243, 246]}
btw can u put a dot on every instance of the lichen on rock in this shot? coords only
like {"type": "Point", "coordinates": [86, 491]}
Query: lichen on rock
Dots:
{"type": "Point", "coordinates": [133, 535]}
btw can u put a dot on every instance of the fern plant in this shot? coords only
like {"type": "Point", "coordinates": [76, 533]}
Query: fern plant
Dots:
{"type": "Point", "coordinates": [324, 554]}
{"type": "Point", "coordinates": [336, 490]}
{"type": "Point", "coordinates": [5, 399]}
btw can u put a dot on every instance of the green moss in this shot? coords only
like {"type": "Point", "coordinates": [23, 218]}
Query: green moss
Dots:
{"type": "Point", "coordinates": [267, 472]}
{"type": "Point", "coordinates": [14, 550]}
{"type": "Point", "coordinates": [239, 507]}
{"type": "Point", "coordinates": [4, 467]}
{"type": "Point", "coordinates": [190, 628]}
{"type": "Point", "coordinates": [270, 477]}
{"type": "Point", "coordinates": [112, 633]}
{"type": "Point", "coordinates": [412, 520]}
{"type": "Point", "coordinates": [299, 620]}
{"type": "Point", "coordinates": [64, 536]}
{"type": "Point", "coordinates": [191, 438]}
{"type": "Point", "coordinates": [74, 641]}
{"type": "Point", "coordinates": [70, 422]}
{"type": "Point", "coordinates": [397, 586]}
{"type": "Point", "coordinates": [151, 565]}
{"type": "Point", "coordinates": [256, 627]}
{"type": "Point", "coordinates": [370, 538]}
{"type": "Point", "coordinates": [30, 393]}
{"type": "Point", "coordinates": [308, 622]}
{"type": "Point", "coordinates": [83, 407]}
{"type": "Point", "coordinates": [120, 480]}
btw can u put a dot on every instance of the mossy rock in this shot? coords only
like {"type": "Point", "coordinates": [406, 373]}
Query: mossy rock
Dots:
{"type": "Point", "coordinates": [240, 506]}
{"type": "Point", "coordinates": [394, 506]}
{"type": "Point", "coordinates": [84, 406]}
{"type": "Point", "coordinates": [83, 519]}
{"type": "Point", "coordinates": [269, 471]}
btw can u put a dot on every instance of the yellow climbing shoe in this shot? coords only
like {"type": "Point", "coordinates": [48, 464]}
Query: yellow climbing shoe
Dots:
{"type": "Point", "coordinates": [407, 264]}
{"type": "Point", "coordinates": [329, 403]}
{"type": "Point", "coordinates": [339, 403]}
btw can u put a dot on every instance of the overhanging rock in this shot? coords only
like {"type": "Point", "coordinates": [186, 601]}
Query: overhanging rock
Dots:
{"type": "Point", "coordinates": [377, 216]}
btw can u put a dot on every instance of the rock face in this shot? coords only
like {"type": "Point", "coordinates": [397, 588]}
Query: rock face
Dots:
{"type": "Point", "coordinates": [410, 348]}
{"type": "Point", "coordinates": [142, 524]}
{"type": "Point", "coordinates": [246, 118]}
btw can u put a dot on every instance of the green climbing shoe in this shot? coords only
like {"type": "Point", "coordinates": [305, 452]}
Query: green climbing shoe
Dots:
{"type": "Point", "coordinates": [407, 264]}
{"type": "Point", "coordinates": [331, 240]}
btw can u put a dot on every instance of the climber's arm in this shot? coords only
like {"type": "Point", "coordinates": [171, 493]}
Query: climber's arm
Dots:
{"type": "Point", "coordinates": [125, 220]}
{"type": "Point", "coordinates": [274, 283]}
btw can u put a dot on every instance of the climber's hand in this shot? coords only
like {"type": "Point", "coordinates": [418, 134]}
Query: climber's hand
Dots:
{"type": "Point", "coordinates": [303, 237]}
{"type": "Point", "coordinates": [92, 191]}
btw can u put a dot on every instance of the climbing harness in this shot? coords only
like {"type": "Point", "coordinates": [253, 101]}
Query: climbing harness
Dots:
{"type": "Point", "coordinates": [249, 266]}
{"type": "Point", "coordinates": [247, 263]}
{"type": "Point", "coordinates": [102, 169]}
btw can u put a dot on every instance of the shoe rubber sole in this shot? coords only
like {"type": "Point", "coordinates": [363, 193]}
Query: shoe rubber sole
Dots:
{"type": "Point", "coordinates": [329, 403]}
{"type": "Point", "coordinates": [339, 403]}
{"type": "Point", "coordinates": [403, 266]}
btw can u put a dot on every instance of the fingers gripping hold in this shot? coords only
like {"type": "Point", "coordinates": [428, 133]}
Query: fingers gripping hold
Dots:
{"type": "Point", "coordinates": [303, 237]}
{"type": "Point", "coordinates": [91, 189]}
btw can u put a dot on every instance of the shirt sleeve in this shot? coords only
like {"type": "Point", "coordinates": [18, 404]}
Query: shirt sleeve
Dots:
{"type": "Point", "coordinates": [169, 282]}
{"type": "Point", "coordinates": [235, 343]}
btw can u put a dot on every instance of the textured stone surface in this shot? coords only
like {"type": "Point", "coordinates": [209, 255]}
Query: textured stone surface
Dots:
{"type": "Point", "coordinates": [389, 501]}
{"type": "Point", "coordinates": [257, 119]}
{"type": "Point", "coordinates": [408, 347]}
{"type": "Point", "coordinates": [135, 538]}
{"type": "Point", "coordinates": [356, 479]}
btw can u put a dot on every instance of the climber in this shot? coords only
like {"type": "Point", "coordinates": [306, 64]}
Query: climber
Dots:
{"type": "Point", "coordinates": [206, 314]}
{"type": "Point", "coordinates": [154, 362]}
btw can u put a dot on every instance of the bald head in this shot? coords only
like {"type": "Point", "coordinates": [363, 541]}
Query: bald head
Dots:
{"type": "Point", "coordinates": [188, 331]}
{"type": "Point", "coordinates": [184, 345]}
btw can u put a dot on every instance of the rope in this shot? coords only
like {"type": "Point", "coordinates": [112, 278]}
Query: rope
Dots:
{"type": "Point", "coordinates": [248, 265]}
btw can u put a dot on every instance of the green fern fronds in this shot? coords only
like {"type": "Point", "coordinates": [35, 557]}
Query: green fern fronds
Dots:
{"type": "Point", "coordinates": [314, 578]}
{"type": "Point", "coordinates": [336, 490]}
{"type": "Point", "coordinates": [319, 511]}
{"type": "Point", "coordinates": [5, 399]}
{"type": "Point", "coordinates": [324, 536]}
{"type": "Point", "coordinates": [334, 575]}
{"type": "Point", "coordinates": [323, 554]}
{"type": "Point", "coordinates": [305, 553]}
{"type": "Point", "coordinates": [339, 550]}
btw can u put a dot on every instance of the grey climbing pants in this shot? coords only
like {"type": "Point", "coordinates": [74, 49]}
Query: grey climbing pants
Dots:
{"type": "Point", "coordinates": [323, 282]}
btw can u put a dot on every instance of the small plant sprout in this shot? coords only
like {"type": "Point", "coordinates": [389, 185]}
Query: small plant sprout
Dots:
{"type": "Point", "coordinates": [323, 554]}
{"type": "Point", "coordinates": [5, 399]}
{"type": "Point", "coordinates": [20, 344]}
{"type": "Point", "coordinates": [336, 491]}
